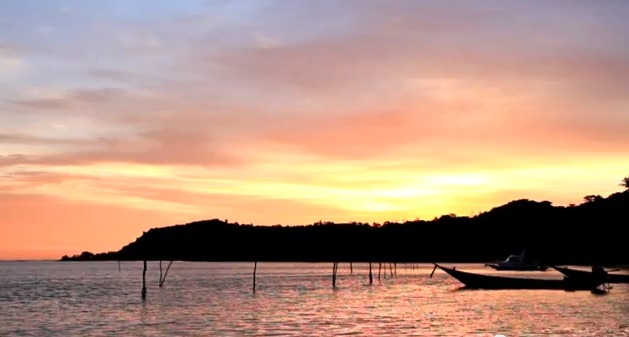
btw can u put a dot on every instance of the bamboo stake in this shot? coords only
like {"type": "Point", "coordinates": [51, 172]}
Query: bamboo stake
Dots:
{"type": "Point", "coordinates": [255, 266]}
{"type": "Point", "coordinates": [144, 281]}
{"type": "Point", "coordinates": [370, 275]}
{"type": "Point", "coordinates": [433, 270]}
{"type": "Point", "coordinates": [160, 274]}
{"type": "Point", "coordinates": [162, 280]}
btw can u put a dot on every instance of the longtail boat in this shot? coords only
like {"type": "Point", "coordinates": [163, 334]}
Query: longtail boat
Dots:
{"type": "Point", "coordinates": [585, 274]}
{"type": "Point", "coordinates": [479, 281]}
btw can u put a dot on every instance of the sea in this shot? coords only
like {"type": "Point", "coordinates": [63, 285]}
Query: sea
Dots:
{"type": "Point", "coordinates": [49, 298]}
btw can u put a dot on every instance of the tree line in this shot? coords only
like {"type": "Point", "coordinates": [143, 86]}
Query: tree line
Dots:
{"type": "Point", "coordinates": [588, 233]}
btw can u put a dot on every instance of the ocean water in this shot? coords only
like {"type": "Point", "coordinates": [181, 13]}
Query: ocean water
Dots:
{"type": "Point", "coordinates": [292, 299]}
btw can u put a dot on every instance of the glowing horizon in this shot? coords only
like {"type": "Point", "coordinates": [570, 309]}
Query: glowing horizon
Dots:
{"type": "Point", "coordinates": [118, 117]}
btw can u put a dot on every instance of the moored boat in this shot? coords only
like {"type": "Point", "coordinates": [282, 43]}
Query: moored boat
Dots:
{"type": "Point", "coordinates": [480, 281]}
{"type": "Point", "coordinates": [584, 274]}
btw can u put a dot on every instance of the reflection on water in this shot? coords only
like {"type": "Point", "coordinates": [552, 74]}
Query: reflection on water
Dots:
{"type": "Point", "coordinates": [215, 299]}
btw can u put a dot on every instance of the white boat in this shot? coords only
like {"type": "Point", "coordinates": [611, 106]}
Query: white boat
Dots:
{"type": "Point", "coordinates": [517, 262]}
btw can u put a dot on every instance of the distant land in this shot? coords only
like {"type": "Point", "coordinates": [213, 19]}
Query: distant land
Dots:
{"type": "Point", "coordinates": [592, 232]}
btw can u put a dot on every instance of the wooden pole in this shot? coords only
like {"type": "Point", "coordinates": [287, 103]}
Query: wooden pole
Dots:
{"type": "Point", "coordinates": [370, 275]}
{"type": "Point", "coordinates": [391, 268]}
{"type": "Point", "coordinates": [379, 269]}
{"type": "Point", "coordinates": [334, 268]}
{"type": "Point", "coordinates": [163, 279]}
{"type": "Point", "coordinates": [144, 281]}
{"type": "Point", "coordinates": [255, 267]}
{"type": "Point", "coordinates": [160, 274]}
{"type": "Point", "coordinates": [351, 269]}
{"type": "Point", "coordinates": [433, 270]}
{"type": "Point", "coordinates": [118, 265]}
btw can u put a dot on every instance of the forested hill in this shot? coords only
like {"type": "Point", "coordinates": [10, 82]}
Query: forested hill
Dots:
{"type": "Point", "coordinates": [592, 232]}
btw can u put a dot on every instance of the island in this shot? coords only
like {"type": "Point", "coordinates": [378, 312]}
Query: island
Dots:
{"type": "Point", "coordinates": [588, 233]}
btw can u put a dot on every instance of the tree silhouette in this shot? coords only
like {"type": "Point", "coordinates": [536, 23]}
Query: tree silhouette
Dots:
{"type": "Point", "coordinates": [592, 198]}
{"type": "Point", "coordinates": [553, 234]}
{"type": "Point", "coordinates": [625, 182]}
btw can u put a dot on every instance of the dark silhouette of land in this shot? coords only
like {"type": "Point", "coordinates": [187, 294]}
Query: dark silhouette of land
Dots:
{"type": "Point", "coordinates": [588, 233]}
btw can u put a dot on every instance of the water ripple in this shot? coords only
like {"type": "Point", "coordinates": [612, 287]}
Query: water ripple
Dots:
{"type": "Point", "coordinates": [215, 299]}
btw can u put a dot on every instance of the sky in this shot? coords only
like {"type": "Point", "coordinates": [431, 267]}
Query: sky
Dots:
{"type": "Point", "coordinates": [120, 116]}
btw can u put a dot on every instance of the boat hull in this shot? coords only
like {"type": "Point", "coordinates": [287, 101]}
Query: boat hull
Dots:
{"type": "Point", "coordinates": [497, 266]}
{"type": "Point", "coordinates": [479, 281]}
{"type": "Point", "coordinates": [583, 274]}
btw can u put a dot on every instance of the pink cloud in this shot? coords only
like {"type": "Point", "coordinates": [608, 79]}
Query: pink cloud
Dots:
{"type": "Point", "coordinates": [188, 149]}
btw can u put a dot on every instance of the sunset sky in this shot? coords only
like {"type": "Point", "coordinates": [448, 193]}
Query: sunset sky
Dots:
{"type": "Point", "coordinates": [120, 116]}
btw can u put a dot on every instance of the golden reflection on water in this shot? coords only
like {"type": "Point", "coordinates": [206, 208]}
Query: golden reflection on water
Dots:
{"type": "Point", "coordinates": [215, 299]}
